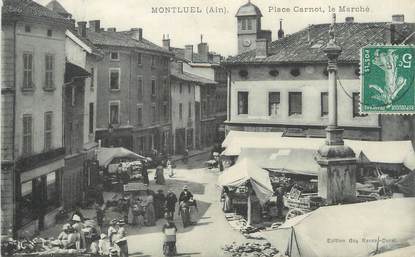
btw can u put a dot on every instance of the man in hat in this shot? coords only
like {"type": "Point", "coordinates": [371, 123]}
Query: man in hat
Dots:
{"type": "Point", "coordinates": [159, 202]}
{"type": "Point", "coordinates": [78, 226]}
{"type": "Point", "coordinates": [171, 201]}
{"type": "Point", "coordinates": [64, 235]}
{"type": "Point", "coordinates": [121, 239]}
{"type": "Point", "coordinates": [185, 195]}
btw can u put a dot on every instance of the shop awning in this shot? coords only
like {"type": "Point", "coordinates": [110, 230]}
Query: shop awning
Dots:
{"type": "Point", "coordinates": [244, 138]}
{"type": "Point", "coordinates": [106, 155]}
{"type": "Point", "coordinates": [390, 152]}
{"type": "Point", "coordinates": [73, 71]}
{"type": "Point", "coordinates": [347, 230]}
{"type": "Point", "coordinates": [246, 170]}
{"type": "Point", "coordinates": [294, 161]}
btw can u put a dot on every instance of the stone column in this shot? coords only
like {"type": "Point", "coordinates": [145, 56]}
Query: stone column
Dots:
{"type": "Point", "coordinates": [337, 179]}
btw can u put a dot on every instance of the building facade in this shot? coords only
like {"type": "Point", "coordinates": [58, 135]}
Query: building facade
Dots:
{"type": "Point", "coordinates": [133, 97]}
{"type": "Point", "coordinates": [281, 85]}
{"type": "Point", "coordinates": [210, 91]}
{"type": "Point", "coordinates": [33, 51]}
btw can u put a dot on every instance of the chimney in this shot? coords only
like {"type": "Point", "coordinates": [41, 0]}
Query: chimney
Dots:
{"type": "Point", "coordinates": [112, 29]}
{"type": "Point", "coordinates": [398, 18]}
{"type": "Point", "coordinates": [309, 34]}
{"type": "Point", "coordinates": [349, 19]}
{"type": "Point", "coordinates": [180, 67]}
{"type": "Point", "coordinates": [82, 28]}
{"type": "Point", "coordinates": [137, 33]}
{"type": "Point", "coordinates": [94, 25]}
{"type": "Point", "coordinates": [261, 50]}
{"type": "Point", "coordinates": [203, 50]}
{"type": "Point", "coordinates": [188, 52]}
{"type": "Point", "coordinates": [216, 58]}
{"type": "Point", "coordinates": [73, 23]}
{"type": "Point", "coordinates": [166, 42]}
{"type": "Point", "coordinates": [280, 31]}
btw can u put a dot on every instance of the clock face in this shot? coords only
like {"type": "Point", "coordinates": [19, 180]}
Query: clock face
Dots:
{"type": "Point", "coordinates": [247, 42]}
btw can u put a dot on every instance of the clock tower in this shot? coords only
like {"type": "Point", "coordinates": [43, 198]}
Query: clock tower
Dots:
{"type": "Point", "coordinates": [249, 26]}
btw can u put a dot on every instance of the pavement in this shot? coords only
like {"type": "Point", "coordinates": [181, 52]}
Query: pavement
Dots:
{"type": "Point", "coordinates": [204, 239]}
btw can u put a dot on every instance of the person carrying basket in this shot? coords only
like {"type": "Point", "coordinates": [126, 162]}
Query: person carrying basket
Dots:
{"type": "Point", "coordinates": [169, 230]}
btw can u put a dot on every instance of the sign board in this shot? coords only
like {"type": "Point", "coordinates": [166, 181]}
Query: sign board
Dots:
{"type": "Point", "coordinates": [134, 187]}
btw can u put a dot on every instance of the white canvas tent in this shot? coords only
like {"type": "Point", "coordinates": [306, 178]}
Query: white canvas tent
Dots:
{"type": "Point", "coordinates": [327, 231]}
{"type": "Point", "coordinates": [106, 155]}
{"type": "Point", "coordinates": [246, 170]}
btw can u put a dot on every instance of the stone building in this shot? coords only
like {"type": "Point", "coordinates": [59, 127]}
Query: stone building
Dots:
{"type": "Point", "coordinates": [133, 97]}
{"type": "Point", "coordinates": [32, 148]}
{"type": "Point", "coordinates": [281, 85]}
{"type": "Point", "coordinates": [210, 94]}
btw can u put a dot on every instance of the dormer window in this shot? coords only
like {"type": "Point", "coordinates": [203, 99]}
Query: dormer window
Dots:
{"type": "Point", "coordinates": [114, 56]}
{"type": "Point", "coordinates": [27, 29]}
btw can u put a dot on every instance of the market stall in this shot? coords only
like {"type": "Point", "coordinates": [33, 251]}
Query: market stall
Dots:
{"type": "Point", "coordinates": [245, 173]}
{"type": "Point", "coordinates": [347, 230]}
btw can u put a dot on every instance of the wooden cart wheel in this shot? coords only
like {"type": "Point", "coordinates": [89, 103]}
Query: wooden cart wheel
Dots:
{"type": "Point", "coordinates": [293, 213]}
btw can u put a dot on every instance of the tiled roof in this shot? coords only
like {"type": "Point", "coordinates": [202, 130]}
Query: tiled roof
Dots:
{"type": "Point", "coordinates": [297, 48]}
{"type": "Point", "coordinates": [179, 53]}
{"type": "Point", "coordinates": [29, 8]}
{"type": "Point", "coordinates": [123, 39]}
{"type": "Point", "coordinates": [249, 9]}
{"type": "Point", "coordinates": [192, 78]}
{"type": "Point", "coordinates": [57, 7]}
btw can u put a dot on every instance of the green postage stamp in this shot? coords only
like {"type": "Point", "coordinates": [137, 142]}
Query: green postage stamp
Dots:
{"type": "Point", "coordinates": [387, 79]}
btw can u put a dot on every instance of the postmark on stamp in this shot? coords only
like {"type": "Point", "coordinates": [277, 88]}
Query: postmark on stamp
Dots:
{"type": "Point", "coordinates": [387, 79]}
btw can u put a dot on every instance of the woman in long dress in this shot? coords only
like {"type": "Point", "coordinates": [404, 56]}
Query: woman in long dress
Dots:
{"type": "Point", "coordinates": [184, 212]}
{"type": "Point", "coordinates": [150, 217]}
{"type": "Point", "coordinates": [160, 175]}
{"type": "Point", "coordinates": [227, 202]}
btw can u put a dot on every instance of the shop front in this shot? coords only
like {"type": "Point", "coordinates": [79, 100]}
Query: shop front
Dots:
{"type": "Point", "coordinates": [38, 197]}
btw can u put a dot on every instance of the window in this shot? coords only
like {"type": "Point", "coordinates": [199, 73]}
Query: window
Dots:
{"type": "Point", "coordinates": [273, 103]}
{"type": "Point", "coordinates": [165, 112]}
{"type": "Point", "coordinates": [356, 105]}
{"type": "Point", "coordinates": [181, 88]}
{"type": "Point", "coordinates": [189, 89]}
{"type": "Point", "coordinates": [48, 130]}
{"type": "Point", "coordinates": [244, 24]}
{"type": "Point", "coordinates": [73, 95]}
{"type": "Point", "coordinates": [27, 134]}
{"type": "Point", "coordinates": [91, 118]}
{"type": "Point", "coordinates": [114, 113]}
{"type": "Point", "coordinates": [139, 59]}
{"type": "Point", "coordinates": [153, 113]}
{"type": "Point", "coordinates": [242, 102]}
{"type": "Point", "coordinates": [114, 56]}
{"type": "Point", "coordinates": [25, 212]}
{"type": "Point", "coordinates": [249, 21]}
{"type": "Point", "coordinates": [153, 87]}
{"type": "Point", "coordinates": [49, 32]}
{"type": "Point", "coordinates": [52, 194]}
{"type": "Point", "coordinates": [180, 111]}
{"type": "Point", "coordinates": [153, 60]}
{"type": "Point", "coordinates": [27, 28]}
{"type": "Point", "coordinates": [92, 78]}
{"type": "Point", "coordinates": [140, 87]}
{"type": "Point", "coordinates": [114, 79]}
{"type": "Point", "coordinates": [139, 115]}
{"type": "Point", "coordinates": [295, 103]}
{"type": "Point", "coordinates": [27, 70]}
{"type": "Point", "coordinates": [324, 104]}
{"type": "Point", "coordinates": [49, 63]}
{"type": "Point", "coordinates": [190, 110]}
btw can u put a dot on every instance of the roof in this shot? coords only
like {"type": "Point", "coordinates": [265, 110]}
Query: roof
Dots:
{"type": "Point", "coordinates": [246, 170]}
{"type": "Point", "coordinates": [30, 8]}
{"type": "Point", "coordinates": [106, 155]}
{"type": "Point", "coordinates": [74, 71]}
{"type": "Point", "coordinates": [248, 9]}
{"type": "Point", "coordinates": [58, 8]}
{"type": "Point", "coordinates": [382, 224]}
{"type": "Point", "coordinates": [179, 53]}
{"type": "Point", "coordinates": [122, 39]}
{"type": "Point", "coordinates": [192, 78]}
{"type": "Point", "coordinates": [296, 48]}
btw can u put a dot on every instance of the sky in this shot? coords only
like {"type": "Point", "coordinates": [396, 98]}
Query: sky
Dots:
{"type": "Point", "coordinates": [219, 29]}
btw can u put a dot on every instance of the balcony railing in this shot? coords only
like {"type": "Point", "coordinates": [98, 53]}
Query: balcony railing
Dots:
{"type": "Point", "coordinates": [36, 160]}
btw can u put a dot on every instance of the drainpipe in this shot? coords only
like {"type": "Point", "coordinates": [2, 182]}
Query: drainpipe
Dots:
{"type": "Point", "coordinates": [14, 176]}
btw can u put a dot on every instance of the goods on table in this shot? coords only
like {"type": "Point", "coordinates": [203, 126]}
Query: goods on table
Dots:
{"type": "Point", "coordinates": [251, 250]}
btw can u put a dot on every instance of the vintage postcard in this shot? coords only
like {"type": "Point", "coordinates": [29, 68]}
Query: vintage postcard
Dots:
{"type": "Point", "coordinates": [208, 128]}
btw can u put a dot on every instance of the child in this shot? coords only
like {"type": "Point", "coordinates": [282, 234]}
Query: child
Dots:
{"type": "Point", "coordinates": [104, 245]}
